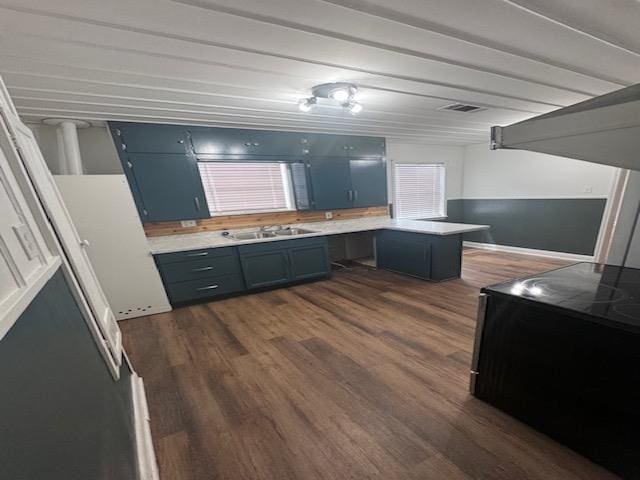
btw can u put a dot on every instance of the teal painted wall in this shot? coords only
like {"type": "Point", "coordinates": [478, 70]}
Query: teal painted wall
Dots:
{"type": "Point", "coordinates": [560, 225]}
{"type": "Point", "coordinates": [62, 416]}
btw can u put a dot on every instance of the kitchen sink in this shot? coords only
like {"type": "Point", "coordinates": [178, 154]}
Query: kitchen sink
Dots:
{"type": "Point", "coordinates": [253, 235]}
{"type": "Point", "coordinates": [258, 234]}
{"type": "Point", "coordinates": [292, 231]}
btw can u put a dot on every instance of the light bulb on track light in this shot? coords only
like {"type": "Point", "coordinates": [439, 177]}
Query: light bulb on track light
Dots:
{"type": "Point", "coordinates": [306, 104]}
{"type": "Point", "coordinates": [340, 95]}
{"type": "Point", "coordinates": [354, 107]}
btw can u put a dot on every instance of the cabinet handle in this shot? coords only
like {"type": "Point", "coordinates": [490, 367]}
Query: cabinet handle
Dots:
{"type": "Point", "coordinates": [256, 144]}
{"type": "Point", "coordinates": [199, 254]}
{"type": "Point", "coordinates": [202, 269]}
{"type": "Point", "coordinates": [181, 141]}
{"type": "Point", "coordinates": [208, 287]}
{"type": "Point", "coordinates": [197, 202]}
{"type": "Point", "coordinates": [355, 195]}
{"type": "Point", "coordinates": [350, 195]}
{"type": "Point", "coordinates": [247, 144]}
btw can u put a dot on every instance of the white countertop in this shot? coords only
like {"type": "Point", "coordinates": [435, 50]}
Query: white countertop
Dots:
{"type": "Point", "coordinates": [195, 241]}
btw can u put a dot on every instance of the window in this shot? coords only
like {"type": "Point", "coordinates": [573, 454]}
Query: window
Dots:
{"type": "Point", "coordinates": [419, 190]}
{"type": "Point", "coordinates": [245, 187]}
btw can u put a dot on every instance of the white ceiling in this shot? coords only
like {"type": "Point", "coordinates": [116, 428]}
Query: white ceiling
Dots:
{"type": "Point", "coordinates": [246, 63]}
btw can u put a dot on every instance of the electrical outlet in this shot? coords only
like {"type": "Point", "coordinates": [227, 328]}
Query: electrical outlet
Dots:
{"type": "Point", "coordinates": [188, 223]}
{"type": "Point", "coordinates": [328, 215]}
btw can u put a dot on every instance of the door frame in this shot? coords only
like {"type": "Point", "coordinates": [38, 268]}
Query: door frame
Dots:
{"type": "Point", "coordinates": [16, 157]}
{"type": "Point", "coordinates": [611, 215]}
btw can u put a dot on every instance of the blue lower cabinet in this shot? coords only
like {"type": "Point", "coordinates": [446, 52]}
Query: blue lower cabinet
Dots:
{"type": "Point", "coordinates": [283, 262]}
{"type": "Point", "coordinates": [204, 289]}
{"type": "Point", "coordinates": [310, 261]}
{"type": "Point", "coordinates": [203, 268]}
{"type": "Point", "coordinates": [200, 274]}
{"type": "Point", "coordinates": [430, 257]}
{"type": "Point", "coordinates": [403, 252]}
{"type": "Point", "coordinates": [266, 269]}
{"type": "Point", "coordinates": [206, 274]}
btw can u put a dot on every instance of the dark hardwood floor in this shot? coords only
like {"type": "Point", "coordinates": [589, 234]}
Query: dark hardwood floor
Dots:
{"type": "Point", "coordinates": [363, 376]}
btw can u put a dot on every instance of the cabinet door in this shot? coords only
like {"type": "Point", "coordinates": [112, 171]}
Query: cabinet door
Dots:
{"type": "Point", "coordinates": [168, 187]}
{"type": "Point", "coordinates": [148, 138]}
{"type": "Point", "coordinates": [366, 147]}
{"type": "Point", "coordinates": [404, 253]}
{"type": "Point", "coordinates": [220, 141]}
{"type": "Point", "coordinates": [331, 183]}
{"type": "Point", "coordinates": [309, 262]}
{"type": "Point", "coordinates": [368, 182]}
{"type": "Point", "coordinates": [278, 144]}
{"type": "Point", "coordinates": [328, 145]}
{"type": "Point", "coordinates": [265, 269]}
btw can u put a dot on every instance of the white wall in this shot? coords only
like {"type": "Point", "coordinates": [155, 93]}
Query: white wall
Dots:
{"type": "Point", "coordinates": [521, 174]}
{"type": "Point", "coordinates": [99, 155]}
{"type": "Point", "coordinates": [452, 157]}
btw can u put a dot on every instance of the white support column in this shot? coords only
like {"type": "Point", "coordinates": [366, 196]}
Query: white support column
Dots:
{"type": "Point", "coordinates": [68, 146]}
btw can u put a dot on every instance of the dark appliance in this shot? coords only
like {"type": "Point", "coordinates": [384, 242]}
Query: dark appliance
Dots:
{"type": "Point", "coordinates": [561, 351]}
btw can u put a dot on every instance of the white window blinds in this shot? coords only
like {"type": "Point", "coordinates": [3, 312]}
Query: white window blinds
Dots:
{"type": "Point", "coordinates": [244, 187]}
{"type": "Point", "coordinates": [419, 190]}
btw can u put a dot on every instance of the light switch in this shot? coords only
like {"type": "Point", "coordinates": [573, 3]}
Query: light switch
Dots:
{"type": "Point", "coordinates": [328, 215]}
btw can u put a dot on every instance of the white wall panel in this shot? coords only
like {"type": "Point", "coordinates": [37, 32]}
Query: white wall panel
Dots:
{"type": "Point", "coordinates": [521, 174]}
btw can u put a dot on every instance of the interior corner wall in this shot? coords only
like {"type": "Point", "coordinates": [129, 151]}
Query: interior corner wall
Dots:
{"type": "Point", "coordinates": [451, 156]}
{"type": "Point", "coordinates": [533, 200]}
{"type": "Point", "coordinates": [98, 152]}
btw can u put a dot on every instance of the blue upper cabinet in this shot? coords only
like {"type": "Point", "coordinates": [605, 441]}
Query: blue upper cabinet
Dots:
{"type": "Point", "coordinates": [327, 171]}
{"type": "Point", "coordinates": [226, 143]}
{"type": "Point", "coordinates": [347, 183]}
{"type": "Point", "coordinates": [149, 138]}
{"type": "Point", "coordinates": [330, 183]}
{"type": "Point", "coordinates": [346, 146]}
{"type": "Point", "coordinates": [166, 187]}
{"type": "Point", "coordinates": [368, 182]}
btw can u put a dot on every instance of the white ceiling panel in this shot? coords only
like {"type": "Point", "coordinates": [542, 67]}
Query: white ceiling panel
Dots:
{"type": "Point", "coordinates": [246, 63]}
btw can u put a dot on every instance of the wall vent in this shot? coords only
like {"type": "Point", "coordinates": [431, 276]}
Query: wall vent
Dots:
{"type": "Point", "coordinates": [462, 107]}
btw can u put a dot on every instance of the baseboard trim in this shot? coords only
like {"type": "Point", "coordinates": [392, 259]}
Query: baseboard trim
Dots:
{"type": "Point", "coordinates": [163, 308]}
{"type": "Point", "coordinates": [147, 466]}
{"type": "Point", "coordinates": [530, 251]}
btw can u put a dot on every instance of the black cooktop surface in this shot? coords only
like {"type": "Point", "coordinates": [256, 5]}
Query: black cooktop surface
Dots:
{"type": "Point", "coordinates": [605, 291]}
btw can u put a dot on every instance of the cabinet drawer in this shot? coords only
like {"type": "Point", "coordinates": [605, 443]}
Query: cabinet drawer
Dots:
{"type": "Point", "coordinates": [281, 245]}
{"type": "Point", "coordinates": [204, 288]}
{"type": "Point", "coordinates": [189, 255]}
{"type": "Point", "coordinates": [196, 269]}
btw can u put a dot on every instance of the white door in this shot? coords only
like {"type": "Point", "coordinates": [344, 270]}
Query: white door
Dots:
{"type": "Point", "coordinates": [26, 263]}
{"type": "Point", "coordinates": [67, 238]}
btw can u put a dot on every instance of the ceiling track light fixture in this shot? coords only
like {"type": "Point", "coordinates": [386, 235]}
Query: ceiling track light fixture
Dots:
{"type": "Point", "coordinates": [341, 92]}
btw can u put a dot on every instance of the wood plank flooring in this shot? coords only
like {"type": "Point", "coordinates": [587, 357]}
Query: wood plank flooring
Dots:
{"type": "Point", "coordinates": [363, 376]}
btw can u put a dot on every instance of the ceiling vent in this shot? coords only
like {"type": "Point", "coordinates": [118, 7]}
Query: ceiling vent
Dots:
{"type": "Point", "coordinates": [462, 107]}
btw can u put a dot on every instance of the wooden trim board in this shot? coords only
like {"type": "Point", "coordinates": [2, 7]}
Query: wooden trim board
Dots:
{"type": "Point", "coordinates": [230, 222]}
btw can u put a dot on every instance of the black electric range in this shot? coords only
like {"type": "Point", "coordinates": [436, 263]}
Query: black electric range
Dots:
{"type": "Point", "coordinates": [560, 351]}
{"type": "Point", "coordinates": [608, 293]}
